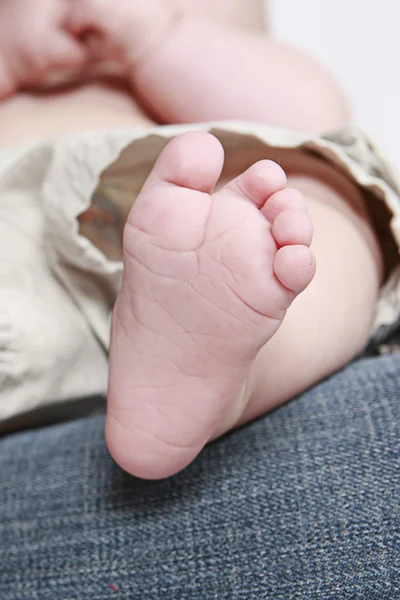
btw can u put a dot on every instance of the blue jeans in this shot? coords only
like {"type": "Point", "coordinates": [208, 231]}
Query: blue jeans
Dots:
{"type": "Point", "coordinates": [302, 504]}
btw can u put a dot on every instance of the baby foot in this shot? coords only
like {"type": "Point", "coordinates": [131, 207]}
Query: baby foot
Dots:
{"type": "Point", "coordinates": [207, 281]}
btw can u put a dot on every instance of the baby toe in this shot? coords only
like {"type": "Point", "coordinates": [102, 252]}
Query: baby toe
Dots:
{"type": "Point", "coordinates": [294, 266]}
{"type": "Point", "coordinates": [292, 227]}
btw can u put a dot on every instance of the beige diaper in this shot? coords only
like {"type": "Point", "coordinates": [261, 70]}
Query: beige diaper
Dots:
{"type": "Point", "coordinates": [63, 205]}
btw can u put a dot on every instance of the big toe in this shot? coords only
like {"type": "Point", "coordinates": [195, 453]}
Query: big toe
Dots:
{"type": "Point", "coordinates": [193, 160]}
{"type": "Point", "coordinates": [174, 203]}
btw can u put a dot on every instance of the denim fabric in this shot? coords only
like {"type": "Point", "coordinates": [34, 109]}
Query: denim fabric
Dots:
{"type": "Point", "coordinates": [302, 504]}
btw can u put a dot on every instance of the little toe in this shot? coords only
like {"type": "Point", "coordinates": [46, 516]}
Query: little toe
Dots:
{"type": "Point", "coordinates": [292, 227]}
{"type": "Point", "coordinates": [294, 266]}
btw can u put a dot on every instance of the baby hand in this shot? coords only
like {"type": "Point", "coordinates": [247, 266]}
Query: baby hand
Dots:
{"type": "Point", "coordinates": [122, 30]}
{"type": "Point", "coordinates": [34, 40]}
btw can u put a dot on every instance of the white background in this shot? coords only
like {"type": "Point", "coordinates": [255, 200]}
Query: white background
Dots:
{"type": "Point", "coordinates": [359, 40]}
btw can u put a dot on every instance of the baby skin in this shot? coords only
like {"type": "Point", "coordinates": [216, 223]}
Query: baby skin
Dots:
{"type": "Point", "coordinates": [208, 278]}
{"type": "Point", "coordinates": [204, 334]}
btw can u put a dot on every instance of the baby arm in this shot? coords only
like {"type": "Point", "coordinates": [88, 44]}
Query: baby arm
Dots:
{"type": "Point", "coordinates": [185, 69]}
